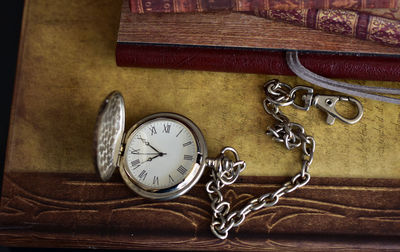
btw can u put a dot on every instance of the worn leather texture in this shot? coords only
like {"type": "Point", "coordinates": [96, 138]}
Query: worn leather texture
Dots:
{"type": "Point", "coordinates": [143, 6]}
{"type": "Point", "coordinates": [67, 67]}
{"type": "Point", "coordinates": [255, 61]}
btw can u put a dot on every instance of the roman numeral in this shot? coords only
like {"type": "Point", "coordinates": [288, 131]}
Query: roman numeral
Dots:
{"type": "Point", "coordinates": [153, 130]}
{"type": "Point", "coordinates": [135, 151]}
{"type": "Point", "coordinates": [188, 157]}
{"type": "Point", "coordinates": [179, 133]}
{"type": "Point", "coordinates": [143, 175]}
{"type": "Point", "coordinates": [187, 144]}
{"type": "Point", "coordinates": [155, 180]}
{"type": "Point", "coordinates": [181, 170]}
{"type": "Point", "coordinates": [171, 180]}
{"type": "Point", "coordinates": [167, 128]}
{"type": "Point", "coordinates": [135, 163]}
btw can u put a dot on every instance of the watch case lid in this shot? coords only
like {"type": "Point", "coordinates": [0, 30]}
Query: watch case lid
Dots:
{"type": "Point", "coordinates": [109, 133]}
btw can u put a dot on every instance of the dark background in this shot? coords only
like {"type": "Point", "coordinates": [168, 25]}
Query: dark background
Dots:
{"type": "Point", "coordinates": [12, 17]}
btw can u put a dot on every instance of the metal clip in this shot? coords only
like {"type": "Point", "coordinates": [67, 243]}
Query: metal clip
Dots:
{"type": "Point", "coordinates": [307, 98]}
{"type": "Point", "coordinates": [327, 103]}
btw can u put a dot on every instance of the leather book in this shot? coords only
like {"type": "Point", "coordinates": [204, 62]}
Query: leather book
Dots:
{"type": "Point", "coordinates": [344, 22]}
{"type": "Point", "coordinates": [387, 9]}
{"type": "Point", "coordinates": [142, 6]}
{"type": "Point", "coordinates": [212, 41]}
{"type": "Point", "coordinates": [256, 61]}
{"type": "Point", "coordinates": [341, 21]}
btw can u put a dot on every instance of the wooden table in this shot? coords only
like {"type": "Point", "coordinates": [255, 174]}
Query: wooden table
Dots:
{"type": "Point", "coordinates": [52, 197]}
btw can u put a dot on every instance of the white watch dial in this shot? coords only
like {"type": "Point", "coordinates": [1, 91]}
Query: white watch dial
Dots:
{"type": "Point", "coordinates": [160, 153]}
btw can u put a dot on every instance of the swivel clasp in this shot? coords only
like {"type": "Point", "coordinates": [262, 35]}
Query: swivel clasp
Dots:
{"type": "Point", "coordinates": [327, 103]}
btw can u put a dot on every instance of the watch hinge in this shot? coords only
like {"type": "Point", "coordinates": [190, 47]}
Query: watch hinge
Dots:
{"type": "Point", "coordinates": [121, 149]}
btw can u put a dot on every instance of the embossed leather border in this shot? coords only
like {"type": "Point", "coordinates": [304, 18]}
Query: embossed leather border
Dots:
{"type": "Point", "coordinates": [78, 210]}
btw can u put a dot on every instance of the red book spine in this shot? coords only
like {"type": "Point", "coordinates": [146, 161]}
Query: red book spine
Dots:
{"type": "Point", "coordinates": [256, 61]}
{"type": "Point", "coordinates": [345, 22]}
{"type": "Point", "coordinates": [178, 6]}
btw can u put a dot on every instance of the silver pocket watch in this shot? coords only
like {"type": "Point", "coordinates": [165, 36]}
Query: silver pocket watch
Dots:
{"type": "Point", "coordinates": [163, 155]}
{"type": "Point", "coordinates": [160, 157]}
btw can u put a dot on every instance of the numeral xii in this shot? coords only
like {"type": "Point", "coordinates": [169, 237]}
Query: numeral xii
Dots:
{"type": "Point", "coordinates": [167, 128]}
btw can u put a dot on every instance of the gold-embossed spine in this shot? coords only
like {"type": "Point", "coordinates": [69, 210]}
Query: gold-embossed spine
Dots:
{"type": "Point", "coordinates": [337, 21]}
{"type": "Point", "coordinates": [182, 6]}
{"type": "Point", "coordinates": [384, 30]}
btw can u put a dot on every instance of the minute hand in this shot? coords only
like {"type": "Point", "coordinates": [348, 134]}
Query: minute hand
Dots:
{"type": "Point", "coordinates": [147, 143]}
{"type": "Point", "coordinates": [137, 153]}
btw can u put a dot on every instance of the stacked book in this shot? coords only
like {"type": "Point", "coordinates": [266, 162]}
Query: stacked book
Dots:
{"type": "Point", "coordinates": [337, 38]}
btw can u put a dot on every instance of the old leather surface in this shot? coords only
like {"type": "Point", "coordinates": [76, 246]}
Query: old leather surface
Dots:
{"type": "Point", "coordinates": [240, 60]}
{"type": "Point", "coordinates": [237, 30]}
{"type": "Point", "coordinates": [67, 66]}
{"type": "Point", "coordinates": [76, 210]}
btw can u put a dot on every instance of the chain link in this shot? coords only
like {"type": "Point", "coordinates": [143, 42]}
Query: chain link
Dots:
{"type": "Point", "coordinates": [225, 171]}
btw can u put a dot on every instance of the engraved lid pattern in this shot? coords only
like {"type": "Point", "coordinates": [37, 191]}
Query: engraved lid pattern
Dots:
{"type": "Point", "coordinates": [108, 136]}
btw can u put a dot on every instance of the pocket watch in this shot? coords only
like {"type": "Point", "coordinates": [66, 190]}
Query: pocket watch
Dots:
{"type": "Point", "coordinates": [160, 157]}
{"type": "Point", "coordinates": [163, 155]}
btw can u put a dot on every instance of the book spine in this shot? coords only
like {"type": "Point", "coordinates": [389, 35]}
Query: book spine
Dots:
{"type": "Point", "coordinates": [255, 61]}
{"type": "Point", "coordinates": [184, 6]}
{"type": "Point", "coordinates": [343, 22]}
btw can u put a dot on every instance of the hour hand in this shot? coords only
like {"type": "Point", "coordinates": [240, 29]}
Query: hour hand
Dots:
{"type": "Point", "coordinates": [151, 158]}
